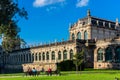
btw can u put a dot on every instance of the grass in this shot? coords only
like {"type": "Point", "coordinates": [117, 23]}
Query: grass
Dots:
{"type": "Point", "coordinates": [70, 75]}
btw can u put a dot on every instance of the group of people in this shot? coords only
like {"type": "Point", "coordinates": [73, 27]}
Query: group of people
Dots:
{"type": "Point", "coordinates": [34, 72]}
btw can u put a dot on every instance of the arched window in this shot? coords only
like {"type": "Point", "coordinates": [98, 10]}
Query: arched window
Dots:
{"type": "Point", "coordinates": [53, 55]}
{"type": "Point", "coordinates": [85, 35]}
{"type": "Point", "coordinates": [36, 58]}
{"type": "Point", "coordinates": [39, 56]}
{"type": "Point", "coordinates": [100, 54]}
{"type": "Point", "coordinates": [43, 56]}
{"type": "Point", "coordinates": [73, 36]}
{"type": "Point", "coordinates": [29, 57]}
{"type": "Point", "coordinates": [71, 54]}
{"type": "Point", "coordinates": [33, 57]}
{"type": "Point", "coordinates": [47, 55]}
{"type": "Point", "coordinates": [108, 54]}
{"type": "Point", "coordinates": [59, 55]}
{"type": "Point", "coordinates": [64, 55]}
{"type": "Point", "coordinates": [117, 54]}
{"type": "Point", "coordinates": [78, 35]}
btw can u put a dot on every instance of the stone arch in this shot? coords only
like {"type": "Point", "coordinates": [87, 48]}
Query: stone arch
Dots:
{"type": "Point", "coordinates": [47, 56]}
{"type": "Point", "coordinates": [36, 57]}
{"type": "Point", "coordinates": [100, 54]}
{"type": "Point", "coordinates": [117, 54]}
{"type": "Point", "coordinates": [71, 54]}
{"type": "Point", "coordinates": [59, 55]}
{"type": "Point", "coordinates": [64, 54]}
{"type": "Point", "coordinates": [43, 56]}
{"type": "Point", "coordinates": [108, 54]}
{"type": "Point", "coordinates": [53, 55]}
{"type": "Point", "coordinates": [85, 35]}
{"type": "Point", "coordinates": [39, 56]}
{"type": "Point", "coordinates": [79, 35]}
{"type": "Point", "coordinates": [73, 36]}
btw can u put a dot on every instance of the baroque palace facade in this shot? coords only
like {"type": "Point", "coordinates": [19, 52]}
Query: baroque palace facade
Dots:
{"type": "Point", "coordinates": [99, 38]}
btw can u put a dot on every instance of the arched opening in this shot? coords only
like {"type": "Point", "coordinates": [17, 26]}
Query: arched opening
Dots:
{"type": "Point", "coordinates": [53, 55]}
{"type": "Point", "coordinates": [59, 55]}
{"type": "Point", "coordinates": [78, 35]}
{"type": "Point", "coordinates": [71, 54]}
{"type": "Point", "coordinates": [73, 36]}
{"type": "Point", "coordinates": [36, 58]}
{"type": "Point", "coordinates": [100, 55]}
{"type": "Point", "coordinates": [117, 54]}
{"type": "Point", "coordinates": [43, 56]}
{"type": "Point", "coordinates": [47, 55]}
{"type": "Point", "coordinates": [64, 55]}
{"type": "Point", "coordinates": [108, 54]}
{"type": "Point", "coordinates": [85, 35]}
{"type": "Point", "coordinates": [39, 56]}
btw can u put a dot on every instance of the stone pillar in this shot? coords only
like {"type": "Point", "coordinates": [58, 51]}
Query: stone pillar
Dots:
{"type": "Point", "coordinates": [68, 55]}
{"type": "Point", "coordinates": [104, 56]}
{"type": "Point", "coordinates": [45, 57]}
{"type": "Point", "coordinates": [41, 57]}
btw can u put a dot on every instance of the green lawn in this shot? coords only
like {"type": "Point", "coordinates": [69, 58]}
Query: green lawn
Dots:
{"type": "Point", "coordinates": [86, 75]}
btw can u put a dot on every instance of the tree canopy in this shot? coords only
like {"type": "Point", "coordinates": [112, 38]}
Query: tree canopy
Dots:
{"type": "Point", "coordinates": [9, 16]}
{"type": "Point", "coordinates": [78, 59]}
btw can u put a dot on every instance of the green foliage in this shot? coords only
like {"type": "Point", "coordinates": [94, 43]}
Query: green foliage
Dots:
{"type": "Point", "coordinates": [78, 59]}
{"type": "Point", "coordinates": [9, 16]}
{"type": "Point", "coordinates": [66, 66]}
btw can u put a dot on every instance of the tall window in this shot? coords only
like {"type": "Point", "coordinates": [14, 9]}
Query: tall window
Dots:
{"type": "Point", "coordinates": [117, 54]}
{"type": "Point", "coordinates": [85, 35]}
{"type": "Point", "coordinates": [59, 55]}
{"type": "Point", "coordinates": [108, 54]}
{"type": "Point", "coordinates": [43, 56]}
{"type": "Point", "coordinates": [73, 36]}
{"type": "Point", "coordinates": [36, 58]}
{"type": "Point", "coordinates": [53, 55]}
{"type": "Point", "coordinates": [78, 35]}
{"type": "Point", "coordinates": [100, 55]}
{"type": "Point", "coordinates": [29, 57]}
{"type": "Point", "coordinates": [47, 55]}
{"type": "Point", "coordinates": [64, 54]}
{"type": "Point", "coordinates": [71, 54]}
{"type": "Point", "coordinates": [39, 56]}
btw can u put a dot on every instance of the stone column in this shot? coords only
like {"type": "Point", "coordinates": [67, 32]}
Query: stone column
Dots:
{"type": "Point", "coordinates": [45, 57]}
{"type": "Point", "coordinates": [41, 57]}
{"type": "Point", "coordinates": [68, 55]}
{"type": "Point", "coordinates": [103, 56]}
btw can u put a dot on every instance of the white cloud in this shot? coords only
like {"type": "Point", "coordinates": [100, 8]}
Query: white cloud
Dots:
{"type": "Point", "coordinates": [82, 3]}
{"type": "Point", "coordinates": [42, 3]}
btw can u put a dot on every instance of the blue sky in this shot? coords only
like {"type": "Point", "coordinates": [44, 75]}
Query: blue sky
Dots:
{"type": "Point", "coordinates": [49, 19]}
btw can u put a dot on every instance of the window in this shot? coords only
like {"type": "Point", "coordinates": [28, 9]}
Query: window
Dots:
{"type": "Point", "coordinates": [59, 55]}
{"type": "Point", "coordinates": [39, 56]}
{"type": "Point", "coordinates": [43, 56]}
{"type": "Point", "coordinates": [47, 55]}
{"type": "Point", "coordinates": [108, 54]}
{"type": "Point", "coordinates": [73, 36]}
{"type": "Point", "coordinates": [53, 55]}
{"type": "Point", "coordinates": [36, 58]}
{"type": "Point", "coordinates": [64, 54]}
{"type": "Point", "coordinates": [100, 55]}
{"type": "Point", "coordinates": [85, 35]}
{"type": "Point", "coordinates": [71, 54]}
{"type": "Point", "coordinates": [117, 54]}
{"type": "Point", "coordinates": [78, 35]}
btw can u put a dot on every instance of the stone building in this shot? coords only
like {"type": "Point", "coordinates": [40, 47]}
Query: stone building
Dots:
{"type": "Point", "coordinates": [98, 37]}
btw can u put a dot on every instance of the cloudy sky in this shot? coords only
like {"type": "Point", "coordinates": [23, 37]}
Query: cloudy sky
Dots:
{"type": "Point", "coordinates": [49, 19]}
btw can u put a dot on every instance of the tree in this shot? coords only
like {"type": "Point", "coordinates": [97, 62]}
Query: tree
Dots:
{"type": "Point", "coordinates": [78, 59]}
{"type": "Point", "coordinates": [9, 16]}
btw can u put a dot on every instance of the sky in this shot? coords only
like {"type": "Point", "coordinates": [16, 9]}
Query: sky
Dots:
{"type": "Point", "coordinates": [48, 20]}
